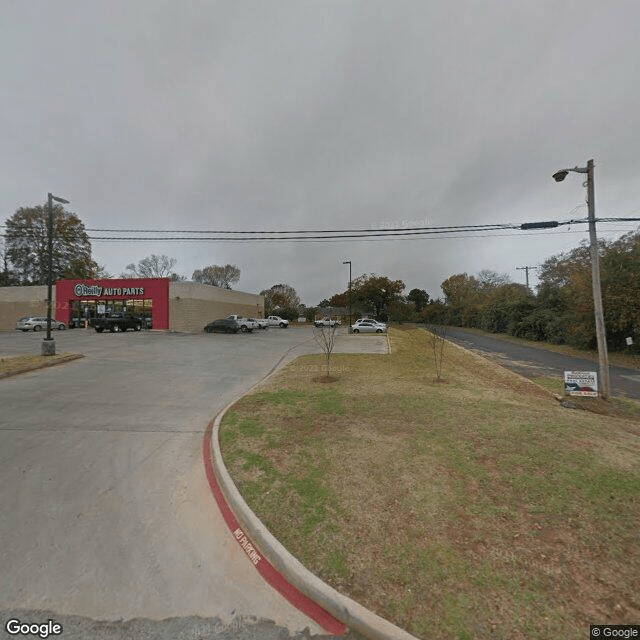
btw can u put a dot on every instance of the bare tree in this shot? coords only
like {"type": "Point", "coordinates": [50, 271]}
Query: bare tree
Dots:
{"type": "Point", "coordinates": [437, 340]}
{"type": "Point", "coordinates": [217, 276]}
{"type": "Point", "coordinates": [153, 266]}
{"type": "Point", "coordinates": [326, 339]}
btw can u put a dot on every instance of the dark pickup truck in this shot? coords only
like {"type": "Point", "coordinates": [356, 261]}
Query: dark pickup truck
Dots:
{"type": "Point", "coordinates": [116, 322]}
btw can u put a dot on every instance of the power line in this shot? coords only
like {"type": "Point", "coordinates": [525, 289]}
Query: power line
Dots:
{"type": "Point", "coordinates": [333, 235]}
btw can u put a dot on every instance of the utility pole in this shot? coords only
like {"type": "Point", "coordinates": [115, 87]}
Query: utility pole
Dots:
{"type": "Point", "coordinates": [595, 278]}
{"type": "Point", "coordinates": [603, 356]}
{"type": "Point", "coordinates": [526, 271]}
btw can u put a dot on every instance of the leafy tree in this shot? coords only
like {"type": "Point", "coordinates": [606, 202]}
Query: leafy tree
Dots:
{"type": "Point", "coordinates": [462, 297]}
{"type": "Point", "coordinates": [217, 276]}
{"type": "Point", "coordinates": [338, 300]}
{"type": "Point", "coordinates": [26, 246]}
{"type": "Point", "coordinates": [376, 292]}
{"type": "Point", "coordinates": [400, 311]}
{"type": "Point", "coordinates": [504, 305]}
{"type": "Point", "coordinates": [419, 297]}
{"type": "Point", "coordinates": [289, 313]}
{"type": "Point", "coordinates": [619, 270]}
{"type": "Point", "coordinates": [566, 280]}
{"type": "Point", "coordinates": [435, 312]}
{"type": "Point", "coordinates": [280, 296]}
{"type": "Point", "coordinates": [7, 277]}
{"type": "Point", "coordinates": [153, 266]}
{"type": "Point", "coordinates": [310, 313]}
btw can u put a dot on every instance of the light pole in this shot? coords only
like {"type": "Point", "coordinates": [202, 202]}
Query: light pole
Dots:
{"type": "Point", "coordinates": [48, 344]}
{"type": "Point", "coordinates": [349, 263]}
{"type": "Point", "coordinates": [601, 336]}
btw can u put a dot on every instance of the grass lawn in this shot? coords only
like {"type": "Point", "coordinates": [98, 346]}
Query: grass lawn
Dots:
{"type": "Point", "coordinates": [473, 507]}
{"type": "Point", "coordinates": [11, 365]}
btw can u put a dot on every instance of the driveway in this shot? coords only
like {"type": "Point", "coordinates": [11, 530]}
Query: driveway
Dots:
{"type": "Point", "coordinates": [107, 512]}
{"type": "Point", "coordinates": [533, 361]}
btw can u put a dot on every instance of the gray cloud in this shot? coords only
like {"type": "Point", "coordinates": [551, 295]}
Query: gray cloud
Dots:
{"type": "Point", "coordinates": [322, 114]}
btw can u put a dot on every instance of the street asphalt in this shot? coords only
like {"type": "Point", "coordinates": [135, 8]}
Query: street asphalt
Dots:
{"type": "Point", "coordinates": [108, 519]}
{"type": "Point", "coordinates": [534, 360]}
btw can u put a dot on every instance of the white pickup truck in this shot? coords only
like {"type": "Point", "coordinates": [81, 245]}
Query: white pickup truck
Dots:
{"type": "Point", "coordinates": [326, 322]}
{"type": "Point", "coordinates": [245, 324]}
{"type": "Point", "coordinates": [277, 321]}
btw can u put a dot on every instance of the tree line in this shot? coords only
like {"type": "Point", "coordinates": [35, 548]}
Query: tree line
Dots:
{"type": "Point", "coordinates": [562, 310]}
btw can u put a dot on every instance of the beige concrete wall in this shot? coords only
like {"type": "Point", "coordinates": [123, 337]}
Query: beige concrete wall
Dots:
{"type": "Point", "coordinates": [192, 305]}
{"type": "Point", "coordinates": [16, 302]}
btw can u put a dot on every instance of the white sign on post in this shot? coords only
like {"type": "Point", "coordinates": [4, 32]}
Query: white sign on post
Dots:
{"type": "Point", "coordinates": [581, 383]}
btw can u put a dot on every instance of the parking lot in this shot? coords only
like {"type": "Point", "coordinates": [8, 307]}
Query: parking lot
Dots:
{"type": "Point", "coordinates": [109, 512]}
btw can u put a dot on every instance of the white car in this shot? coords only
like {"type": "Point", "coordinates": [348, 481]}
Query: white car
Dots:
{"type": "Point", "coordinates": [369, 326]}
{"type": "Point", "coordinates": [38, 323]}
{"type": "Point", "coordinates": [277, 321]}
{"type": "Point", "coordinates": [364, 320]}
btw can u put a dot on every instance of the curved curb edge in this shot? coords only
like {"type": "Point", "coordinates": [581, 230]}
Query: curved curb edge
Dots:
{"type": "Point", "coordinates": [42, 365]}
{"type": "Point", "coordinates": [329, 608]}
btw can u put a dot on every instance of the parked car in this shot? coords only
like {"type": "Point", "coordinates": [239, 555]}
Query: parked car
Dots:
{"type": "Point", "coordinates": [364, 320]}
{"type": "Point", "coordinates": [245, 324]}
{"type": "Point", "coordinates": [277, 321]}
{"type": "Point", "coordinates": [116, 322]}
{"type": "Point", "coordinates": [224, 325]}
{"type": "Point", "coordinates": [38, 323]}
{"type": "Point", "coordinates": [326, 322]}
{"type": "Point", "coordinates": [369, 326]}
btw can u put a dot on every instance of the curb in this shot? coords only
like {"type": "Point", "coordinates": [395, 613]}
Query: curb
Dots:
{"type": "Point", "coordinates": [329, 608]}
{"type": "Point", "coordinates": [43, 365]}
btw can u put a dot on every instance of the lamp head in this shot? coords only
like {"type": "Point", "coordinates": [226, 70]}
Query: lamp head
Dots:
{"type": "Point", "coordinates": [559, 176]}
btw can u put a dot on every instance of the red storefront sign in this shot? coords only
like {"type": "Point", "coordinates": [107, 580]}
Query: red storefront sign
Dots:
{"type": "Point", "coordinates": [104, 291]}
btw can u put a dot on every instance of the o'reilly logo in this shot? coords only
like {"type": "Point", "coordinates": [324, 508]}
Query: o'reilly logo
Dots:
{"type": "Point", "coordinates": [84, 290]}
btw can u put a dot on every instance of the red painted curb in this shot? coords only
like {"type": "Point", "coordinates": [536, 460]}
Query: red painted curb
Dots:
{"type": "Point", "coordinates": [265, 568]}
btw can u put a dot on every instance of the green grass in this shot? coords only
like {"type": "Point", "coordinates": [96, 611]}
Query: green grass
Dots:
{"type": "Point", "coordinates": [471, 508]}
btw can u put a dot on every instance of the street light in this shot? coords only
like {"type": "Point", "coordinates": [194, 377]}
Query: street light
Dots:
{"type": "Point", "coordinates": [48, 344]}
{"type": "Point", "coordinates": [349, 263]}
{"type": "Point", "coordinates": [601, 336]}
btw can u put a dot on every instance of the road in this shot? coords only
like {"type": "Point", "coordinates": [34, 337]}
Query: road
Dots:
{"type": "Point", "coordinates": [108, 521]}
{"type": "Point", "coordinates": [532, 361]}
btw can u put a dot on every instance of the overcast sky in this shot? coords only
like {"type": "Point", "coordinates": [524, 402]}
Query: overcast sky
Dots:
{"type": "Point", "coordinates": [294, 114]}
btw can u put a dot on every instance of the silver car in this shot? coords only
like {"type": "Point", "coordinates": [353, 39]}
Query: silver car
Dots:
{"type": "Point", "coordinates": [37, 323]}
{"type": "Point", "coordinates": [369, 326]}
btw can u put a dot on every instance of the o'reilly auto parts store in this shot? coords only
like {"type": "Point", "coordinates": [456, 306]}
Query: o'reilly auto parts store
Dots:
{"type": "Point", "coordinates": [174, 306]}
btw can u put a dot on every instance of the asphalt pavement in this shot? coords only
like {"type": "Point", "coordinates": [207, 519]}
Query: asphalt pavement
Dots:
{"type": "Point", "coordinates": [108, 519]}
{"type": "Point", "coordinates": [532, 361]}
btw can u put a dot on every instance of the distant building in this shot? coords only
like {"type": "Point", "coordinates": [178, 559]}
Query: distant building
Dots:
{"type": "Point", "coordinates": [173, 306]}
